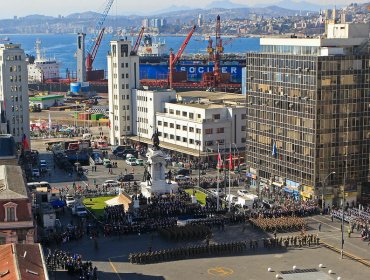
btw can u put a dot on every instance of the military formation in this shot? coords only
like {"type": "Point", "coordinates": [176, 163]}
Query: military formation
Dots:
{"type": "Point", "coordinates": [187, 232]}
{"type": "Point", "coordinates": [206, 250]}
{"type": "Point", "coordinates": [279, 224]}
{"type": "Point", "coordinates": [72, 263]}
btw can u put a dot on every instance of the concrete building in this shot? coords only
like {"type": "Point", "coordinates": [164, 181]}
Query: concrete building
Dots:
{"type": "Point", "coordinates": [123, 77]}
{"type": "Point", "coordinates": [308, 114]}
{"type": "Point", "coordinates": [14, 90]}
{"type": "Point", "coordinates": [47, 101]}
{"type": "Point", "coordinates": [16, 219]}
{"type": "Point", "coordinates": [191, 122]}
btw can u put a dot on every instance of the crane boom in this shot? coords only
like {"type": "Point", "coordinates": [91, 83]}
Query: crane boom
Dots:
{"type": "Point", "coordinates": [90, 57]}
{"type": "Point", "coordinates": [138, 40]}
{"type": "Point", "coordinates": [183, 46]}
{"type": "Point", "coordinates": [174, 59]}
{"type": "Point", "coordinates": [100, 23]}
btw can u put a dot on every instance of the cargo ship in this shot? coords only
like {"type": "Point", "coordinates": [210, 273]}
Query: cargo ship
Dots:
{"type": "Point", "coordinates": [154, 63]}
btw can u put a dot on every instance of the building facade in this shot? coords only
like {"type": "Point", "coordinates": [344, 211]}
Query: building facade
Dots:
{"type": "Point", "coordinates": [123, 77]}
{"type": "Point", "coordinates": [16, 220]}
{"type": "Point", "coordinates": [308, 114]}
{"type": "Point", "coordinates": [190, 122]}
{"type": "Point", "coordinates": [14, 90]}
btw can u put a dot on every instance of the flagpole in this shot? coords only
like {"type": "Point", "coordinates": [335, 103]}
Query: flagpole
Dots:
{"type": "Point", "coordinates": [230, 166]}
{"type": "Point", "coordinates": [218, 176]}
{"type": "Point", "coordinates": [49, 124]}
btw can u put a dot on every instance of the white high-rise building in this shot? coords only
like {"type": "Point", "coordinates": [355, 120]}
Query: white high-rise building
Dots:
{"type": "Point", "coordinates": [14, 90]}
{"type": "Point", "coordinates": [123, 77]}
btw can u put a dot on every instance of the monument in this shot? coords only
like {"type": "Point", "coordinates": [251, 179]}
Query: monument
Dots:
{"type": "Point", "coordinates": [154, 179]}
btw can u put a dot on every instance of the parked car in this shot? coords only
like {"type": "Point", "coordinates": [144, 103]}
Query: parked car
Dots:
{"type": "Point", "coordinates": [233, 199]}
{"type": "Point", "coordinates": [131, 161]}
{"type": "Point", "coordinates": [125, 178]}
{"type": "Point", "coordinates": [242, 192]}
{"type": "Point", "coordinates": [79, 210]}
{"type": "Point", "coordinates": [214, 192]}
{"type": "Point", "coordinates": [183, 171]}
{"type": "Point", "coordinates": [107, 163]}
{"type": "Point", "coordinates": [140, 162]}
{"type": "Point", "coordinates": [110, 183]}
{"type": "Point", "coordinates": [130, 156]}
{"type": "Point", "coordinates": [35, 172]}
{"type": "Point", "coordinates": [70, 201]}
{"type": "Point", "coordinates": [182, 178]}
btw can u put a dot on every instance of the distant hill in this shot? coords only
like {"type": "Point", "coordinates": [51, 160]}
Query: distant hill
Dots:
{"type": "Point", "coordinates": [226, 4]}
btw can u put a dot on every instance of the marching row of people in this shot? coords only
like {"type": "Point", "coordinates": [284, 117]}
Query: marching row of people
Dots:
{"type": "Point", "coordinates": [279, 224]}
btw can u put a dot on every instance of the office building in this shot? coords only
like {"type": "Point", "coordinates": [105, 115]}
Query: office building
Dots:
{"type": "Point", "coordinates": [14, 90]}
{"type": "Point", "coordinates": [123, 77]}
{"type": "Point", "coordinates": [308, 114]}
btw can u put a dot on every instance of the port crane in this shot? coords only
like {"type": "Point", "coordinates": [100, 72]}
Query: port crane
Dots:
{"type": "Point", "coordinates": [175, 58]}
{"type": "Point", "coordinates": [94, 44]}
{"type": "Point", "coordinates": [214, 79]}
{"type": "Point", "coordinates": [138, 40]}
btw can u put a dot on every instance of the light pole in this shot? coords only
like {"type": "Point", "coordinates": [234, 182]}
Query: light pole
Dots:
{"type": "Point", "coordinates": [138, 130]}
{"type": "Point", "coordinates": [323, 190]}
{"type": "Point", "coordinates": [198, 143]}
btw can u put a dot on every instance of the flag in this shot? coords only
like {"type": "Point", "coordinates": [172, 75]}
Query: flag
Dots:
{"type": "Point", "coordinates": [274, 150]}
{"type": "Point", "coordinates": [219, 160]}
{"type": "Point", "coordinates": [231, 167]}
{"type": "Point", "coordinates": [25, 144]}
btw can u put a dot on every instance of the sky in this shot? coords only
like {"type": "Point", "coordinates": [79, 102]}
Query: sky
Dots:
{"type": "Point", "coordinates": [11, 8]}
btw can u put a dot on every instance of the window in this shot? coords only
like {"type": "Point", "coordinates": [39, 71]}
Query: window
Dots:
{"type": "Point", "coordinates": [10, 212]}
{"type": "Point", "coordinates": [184, 139]}
{"type": "Point", "coordinates": [216, 116]}
{"type": "Point", "coordinates": [191, 115]}
{"type": "Point", "coordinates": [208, 143]}
{"type": "Point", "coordinates": [177, 113]}
{"type": "Point", "coordinates": [171, 111]}
{"type": "Point", "coordinates": [220, 130]}
{"type": "Point", "coordinates": [184, 114]}
{"type": "Point", "coordinates": [191, 141]}
{"type": "Point", "coordinates": [177, 138]}
{"type": "Point", "coordinates": [191, 129]}
{"type": "Point", "coordinates": [243, 128]}
{"type": "Point", "coordinates": [159, 122]}
{"type": "Point", "coordinates": [178, 126]}
{"type": "Point", "coordinates": [198, 130]}
{"type": "Point", "coordinates": [184, 128]}
{"type": "Point", "coordinates": [172, 136]}
{"type": "Point", "coordinates": [165, 135]}
{"type": "Point", "coordinates": [209, 131]}
{"type": "Point", "coordinates": [165, 124]}
{"type": "Point", "coordinates": [244, 116]}
{"type": "Point", "coordinates": [199, 116]}
{"type": "Point", "coordinates": [243, 140]}
{"type": "Point", "coordinates": [172, 125]}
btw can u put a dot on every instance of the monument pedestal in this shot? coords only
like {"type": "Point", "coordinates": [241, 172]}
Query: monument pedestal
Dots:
{"type": "Point", "coordinates": [157, 183]}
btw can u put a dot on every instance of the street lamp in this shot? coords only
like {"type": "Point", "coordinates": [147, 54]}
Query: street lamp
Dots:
{"type": "Point", "coordinates": [323, 190]}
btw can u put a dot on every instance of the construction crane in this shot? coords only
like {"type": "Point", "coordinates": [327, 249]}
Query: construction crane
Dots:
{"type": "Point", "coordinates": [138, 40]}
{"type": "Point", "coordinates": [174, 59]}
{"type": "Point", "coordinates": [94, 44]}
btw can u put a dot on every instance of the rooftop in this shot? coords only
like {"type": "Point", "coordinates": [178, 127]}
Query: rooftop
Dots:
{"type": "Point", "coordinates": [12, 183]}
{"type": "Point", "coordinates": [46, 97]}
{"type": "Point", "coordinates": [22, 261]}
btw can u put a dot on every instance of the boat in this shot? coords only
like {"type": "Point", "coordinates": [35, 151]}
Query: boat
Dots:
{"type": "Point", "coordinates": [154, 63]}
{"type": "Point", "coordinates": [4, 39]}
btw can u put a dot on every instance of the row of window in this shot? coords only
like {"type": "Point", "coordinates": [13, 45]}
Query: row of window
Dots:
{"type": "Point", "coordinates": [123, 128]}
{"type": "Point", "coordinates": [15, 68]}
{"type": "Point", "coordinates": [15, 78]}
{"type": "Point", "coordinates": [184, 127]}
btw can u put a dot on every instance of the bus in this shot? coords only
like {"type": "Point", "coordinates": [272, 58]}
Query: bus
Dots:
{"type": "Point", "coordinates": [34, 185]}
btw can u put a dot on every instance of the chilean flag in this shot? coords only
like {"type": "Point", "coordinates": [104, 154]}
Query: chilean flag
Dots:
{"type": "Point", "coordinates": [25, 144]}
{"type": "Point", "coordinates": [219, 160]}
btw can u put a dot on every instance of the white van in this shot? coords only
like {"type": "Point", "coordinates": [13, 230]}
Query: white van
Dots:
{"type": "Point", "coordinates": [243, 201]}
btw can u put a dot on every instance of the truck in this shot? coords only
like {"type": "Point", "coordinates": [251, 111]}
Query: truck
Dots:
{"type": "Point", "coordinates": [245, 202]}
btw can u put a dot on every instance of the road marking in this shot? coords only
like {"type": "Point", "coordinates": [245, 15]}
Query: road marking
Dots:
{"type": "Point", "coordinates": [324, 223]}
{"type": "Point", "coordinates": [220, 271]}
{"type": "Point", "coordinates": [114, 269]}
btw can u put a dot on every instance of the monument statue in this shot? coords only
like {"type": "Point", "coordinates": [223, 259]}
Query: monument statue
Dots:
{"type": "Point", "coordinates": [155, 139]}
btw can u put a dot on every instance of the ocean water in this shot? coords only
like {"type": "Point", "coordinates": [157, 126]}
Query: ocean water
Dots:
{"type": "Point", "coordinates": [63, 47]}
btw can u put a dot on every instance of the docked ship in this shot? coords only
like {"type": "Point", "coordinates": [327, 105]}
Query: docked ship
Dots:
{"type": "Point", "coordinates": [42, 68]}
{"type": "Point", "coordinates": [154, 62]}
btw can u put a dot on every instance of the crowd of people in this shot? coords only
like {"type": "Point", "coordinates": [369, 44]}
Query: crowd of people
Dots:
{"type": "Point", "coordinates": [72, 263]}
{"type": "Point", "coordinates": [279, 224]}
{"type": "Point", "coordinates": [238, 247]}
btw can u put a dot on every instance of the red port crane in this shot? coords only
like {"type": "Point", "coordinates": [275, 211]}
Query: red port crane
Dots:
{"type": "Point", "coordinates": [174, 59]}
{"type": "Point", "coordinates": [94, 44]}
{"type": "Point", "coordinates": [138, 40]}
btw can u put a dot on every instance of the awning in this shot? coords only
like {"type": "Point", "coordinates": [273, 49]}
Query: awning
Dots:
{"type": "Point", "coordinates": [277, 184]}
